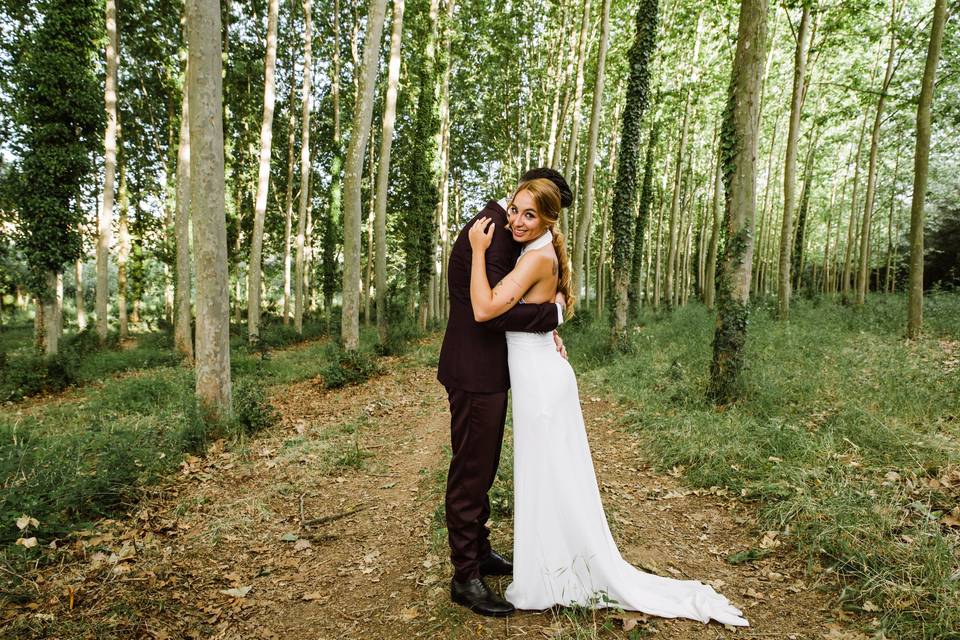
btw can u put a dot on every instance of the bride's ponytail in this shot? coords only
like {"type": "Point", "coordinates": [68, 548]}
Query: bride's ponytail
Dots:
{"type": "Point", "coordinates": [565, 284]}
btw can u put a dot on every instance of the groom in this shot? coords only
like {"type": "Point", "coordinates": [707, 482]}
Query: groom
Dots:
{"type": "Point", "coordinates": [473, 369]}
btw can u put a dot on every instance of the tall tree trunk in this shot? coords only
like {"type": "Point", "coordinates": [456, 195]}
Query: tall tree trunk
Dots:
{"type": "Point", "coordinates": [672, 240]}
{"type": "Point", "coordinates": [636, 292]}
{"type": "Point", "coordinates": [81, 306]}
{"type": "Point", "coordinates": [887, 275]}
{"type": "Point", "coordinates": [207, 208]}
{"type": "Point", "coordinates": [710, 277]}
{"type": "Point", "coordinates": [304, 164]}
{"type": "Point", "coordinates": [586, 210]}
{"type": "Point", "coordinates": [571, 159]}
{"type": "Point", "coordinates": [123, 251]}
{"type": "Point", "coordinates": [254, 269]}
{"type": "Point", "coordinates": [352, 173]}
{"type": "Point", "coordinates": [920, 165]}
{"type": "Point", "coordinates": [790, 165]}
{"type": "Point", "coordinates": [626, 239]}
{"type": "Point", "coordinates": [852, 223]}
{"type": "Point", "coordinates": [182, 317]}
{"type": "Point", "coordinates": [288, 217]}
{"type": "Point", "coordinates": [383, 169]}
{"type": "Point", "coordinates": [739, 142]}
{"type": "Point", "coordinates": [558, 83]}
{"type": "Point", "coordinates": [659, 258]}
{"type": "Point", "coordinates": [863, 282]}
{"type": "Point", "coordinates": [336, 166]}
{"type": "Point", "coordinates": [105, 218]}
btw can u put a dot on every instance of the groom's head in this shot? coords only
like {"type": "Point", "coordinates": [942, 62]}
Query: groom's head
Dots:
{"type": "Point", "coordinates": [554, 176]}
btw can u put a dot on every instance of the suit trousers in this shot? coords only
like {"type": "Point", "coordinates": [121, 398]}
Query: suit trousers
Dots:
{"type": "Point", "coordinates": [476, 436]}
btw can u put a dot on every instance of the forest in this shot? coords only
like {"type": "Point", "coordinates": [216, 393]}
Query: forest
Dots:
{"type": "Point", "coordinates": [225, 228]}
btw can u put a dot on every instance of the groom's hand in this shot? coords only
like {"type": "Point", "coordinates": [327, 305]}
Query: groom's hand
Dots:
{"type": "Point", "coordinates": [557, 340]}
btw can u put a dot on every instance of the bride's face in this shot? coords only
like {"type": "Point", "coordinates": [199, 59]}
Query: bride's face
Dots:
{"type": "Point", "coordinates": [524, 218]}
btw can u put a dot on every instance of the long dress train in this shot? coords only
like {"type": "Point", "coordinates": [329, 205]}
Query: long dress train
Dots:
{"type": "Point", "coordinates": [563, 551]}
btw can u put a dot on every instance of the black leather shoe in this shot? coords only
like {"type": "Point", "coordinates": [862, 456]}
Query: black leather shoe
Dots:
{"type": "Point", "coordinates": [477, 596]}
{"type": "Point", "coordinates": [495, 565]}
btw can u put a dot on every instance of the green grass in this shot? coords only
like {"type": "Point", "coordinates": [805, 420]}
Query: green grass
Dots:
{"type": "Point", "coordinates": [67, 463]}
{"type": "Point", "coordinates": [842, 428]}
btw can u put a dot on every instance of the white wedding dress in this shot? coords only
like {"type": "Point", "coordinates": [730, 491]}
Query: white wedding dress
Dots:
{"type": "Point", "coordinates": [563, 552]}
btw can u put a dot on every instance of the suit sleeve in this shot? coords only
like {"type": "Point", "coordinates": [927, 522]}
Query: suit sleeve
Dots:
{"type": "Point", "coordinates": [526, 317]}
{"type": "Point", "coordinates": [522, 317]}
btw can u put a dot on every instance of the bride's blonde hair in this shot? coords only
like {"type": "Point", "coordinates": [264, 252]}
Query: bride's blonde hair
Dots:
{"type": "Point", "coordinates": [546, 195]}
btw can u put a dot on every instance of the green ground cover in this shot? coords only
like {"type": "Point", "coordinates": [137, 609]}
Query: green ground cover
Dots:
{"type": "Point", "coordinates": [847, 438]}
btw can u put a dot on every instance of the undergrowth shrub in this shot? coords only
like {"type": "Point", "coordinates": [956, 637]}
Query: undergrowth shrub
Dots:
{"type": "Point", "coordinates": [348, 367]}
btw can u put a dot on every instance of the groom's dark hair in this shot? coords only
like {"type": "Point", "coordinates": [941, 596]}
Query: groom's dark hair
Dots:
{"type": "Point", "coordinates": [554, 176]}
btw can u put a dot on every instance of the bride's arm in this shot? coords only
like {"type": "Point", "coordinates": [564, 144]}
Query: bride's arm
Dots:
{"type": "Point", "coordinates": [489, 303]}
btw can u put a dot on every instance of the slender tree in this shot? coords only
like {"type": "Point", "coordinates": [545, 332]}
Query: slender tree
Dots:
{"type": "Point", "coordinates": [304, 163]}
{"type": "Point", "coordinates": [586, 210]}
{"type": "Point", "coordinates": [738, 140]}
{"type": "Point", "coordinates": [359, 135]}
{"type": "Point", "coordinates": [182, 316]}
{"type": "Point", "coordinates": [263, 175]}
{"type": "Point", "coordinates": [627, 242]}
{"type": "Point", "coordinates": [921, 159]}
{"type": "Point", "coordinates": [105, 217]}
{"type": "Point", "coordinates": [383, 169]}
{"type": "Point", "coordinates": [205, 93]}
{"type": "Point", "coordinates": [863, 282]}
{"type": "Point", "coordinates": [790, 163]}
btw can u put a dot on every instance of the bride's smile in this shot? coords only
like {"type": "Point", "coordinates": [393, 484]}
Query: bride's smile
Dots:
{"type": "Point", "coordinates": [525, 225]}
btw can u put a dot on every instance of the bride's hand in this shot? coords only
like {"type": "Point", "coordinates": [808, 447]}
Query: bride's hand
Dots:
{"type": "Point", "coordinates": [481, 234]}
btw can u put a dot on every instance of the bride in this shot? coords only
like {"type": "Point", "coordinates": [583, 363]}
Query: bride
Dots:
{"type": "Point", "coordinates": [563, 552]}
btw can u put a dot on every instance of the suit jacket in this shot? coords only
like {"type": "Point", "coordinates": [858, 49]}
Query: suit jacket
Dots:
{"type": "Point", "coordinates": [474, 355]}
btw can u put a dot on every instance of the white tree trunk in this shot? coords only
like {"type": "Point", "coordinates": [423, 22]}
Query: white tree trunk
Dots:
{"type": "Point", "coordinates": [304, 163]}
{"type": "Point", "coordinates": [182, 316]}
{"type": "Point", "coordinates": [790, 166]}
{"type": "Point", "coordinates": [81, 306]}
{"type": "Point", "coordinates": [105, 218]}
{"type": "Point", "coordinates": [207, 207]}
{"type": "Point", "coordinates": [352, 173]}
{"type": "Point", "coordinates": [263, 176]}
{"type": "Point", "coordinates": [586, 210]}
{"type": "Point", "coordinates": [383, 169]}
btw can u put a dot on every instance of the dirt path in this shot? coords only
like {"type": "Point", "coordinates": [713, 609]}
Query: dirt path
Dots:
{"type": "Point", "coordinates": [328, 527]}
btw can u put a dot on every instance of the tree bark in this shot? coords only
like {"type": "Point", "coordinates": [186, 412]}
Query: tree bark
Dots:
{"type": "Point", "coordinates": [182, 330]}
{"type": "Point", "coordinates": [288, 217]}
{"type": "Point", "coordinates": [920, 165]}
{"type": "Point", "coordinates": [352, 173]}
{"type": "Point", "coordinates": [105, 218]}
{"type": "Point", "coordinates": [571, 158]}
{"type": "Point", "coordinates": [626, 239]}
{"type": "Point", "coordinates": [586, 210]}
{"type": "Point", "coordinates": [383, 169]}
{"type": "Point", "coordinates": [739, 144]}
{"type": "Point", "coordinates": [254, 269]}
{"type": "Point", "coordinates": [863, 282]}
{"type": "Point", "coordinates": [710, 277]}
{"type": "Point", "coordinates": [790, 165]}
{"type": "Point", "coordinates": [637, 291]}
{"type": "Point", "coordinates": [123, 251]}
{"type": "Point", "coordinates": [672, 240]}
{"type": "Point", "coordinates": [205, 92]}
{"type": "Point", "coordinates": [304, 163]}
{"type": "Point", "coordinates": [81, 306]}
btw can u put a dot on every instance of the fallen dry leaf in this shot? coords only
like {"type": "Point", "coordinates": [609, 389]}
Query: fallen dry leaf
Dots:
{"type": "Point", "coordinates": [28, 543]}
{"type": "Point", "coordinates": [238, 592]}
{"type": "Point", "coordinates": [24, 521]}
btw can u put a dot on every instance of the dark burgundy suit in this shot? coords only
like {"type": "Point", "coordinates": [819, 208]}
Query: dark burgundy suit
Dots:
{"type": "Point", "coordinates": [473, 368]}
